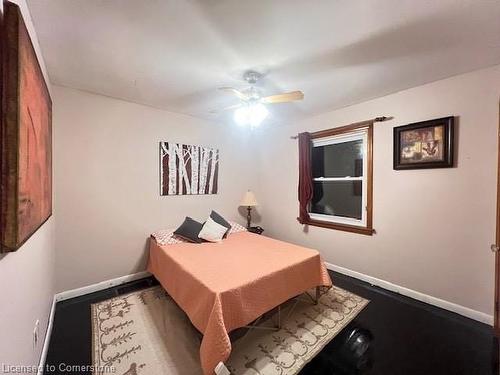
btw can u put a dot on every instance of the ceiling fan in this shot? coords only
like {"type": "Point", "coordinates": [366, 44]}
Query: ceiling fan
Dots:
{"type": "Point", "coordinates": [252, 110]}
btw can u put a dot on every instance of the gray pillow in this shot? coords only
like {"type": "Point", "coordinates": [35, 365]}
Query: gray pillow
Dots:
{"type": "Point", "coordinates": [189, 230]}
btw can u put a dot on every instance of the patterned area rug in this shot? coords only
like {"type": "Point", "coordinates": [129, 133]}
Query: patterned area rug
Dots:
{"type": "Point", "coordinates": [146, 333]}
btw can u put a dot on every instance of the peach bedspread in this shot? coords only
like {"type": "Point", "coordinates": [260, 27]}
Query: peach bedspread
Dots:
{"type": "Point", "coordinates": [227, 285]}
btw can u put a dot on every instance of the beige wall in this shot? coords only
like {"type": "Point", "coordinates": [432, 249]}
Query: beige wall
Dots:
{"type": "Point", "coordinates": [26, 288]}
{"type": "Point", "coordinates": [434, 227]}
{"type": "Point", "coordinates": [26, 280]}
{"type": "Point", "coordinates": [107, 182]}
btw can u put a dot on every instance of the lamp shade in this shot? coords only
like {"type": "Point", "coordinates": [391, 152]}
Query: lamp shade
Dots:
{"type": "Point", "coordinates": [249, 199]}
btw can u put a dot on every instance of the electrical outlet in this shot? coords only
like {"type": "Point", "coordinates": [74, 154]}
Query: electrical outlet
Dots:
{"type": "Point", "coordinates": [35, 334]}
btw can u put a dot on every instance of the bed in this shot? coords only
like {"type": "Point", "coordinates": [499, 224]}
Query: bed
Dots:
{"type": "Point", "coordinates": [227, 285]}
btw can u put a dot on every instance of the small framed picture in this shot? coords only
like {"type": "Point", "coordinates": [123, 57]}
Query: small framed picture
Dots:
{"type": "Point", "coordinates": [426, 144]}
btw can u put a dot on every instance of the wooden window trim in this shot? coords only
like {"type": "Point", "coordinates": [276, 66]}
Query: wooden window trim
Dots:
{"type": "Point", "coordinates": [368, 229]}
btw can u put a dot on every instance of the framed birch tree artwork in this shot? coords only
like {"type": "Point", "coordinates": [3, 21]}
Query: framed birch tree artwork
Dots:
{"type": "Point", "coordinates": [188, 169]}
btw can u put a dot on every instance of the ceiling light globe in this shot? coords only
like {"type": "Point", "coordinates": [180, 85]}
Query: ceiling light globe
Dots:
{"type": "Point", "coordinates": [252, 115]}
{"type": "Point", "coordinates": [258, 113]}
{"type": "Point", "coordinates": [241, 116]}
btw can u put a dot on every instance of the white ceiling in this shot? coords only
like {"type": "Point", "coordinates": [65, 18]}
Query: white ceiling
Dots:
{"type": "Point", "coordinates": [173, 54]}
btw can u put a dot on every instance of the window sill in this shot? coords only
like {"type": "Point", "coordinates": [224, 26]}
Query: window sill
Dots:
{"type": "Point", "coordinates": [345, 227]}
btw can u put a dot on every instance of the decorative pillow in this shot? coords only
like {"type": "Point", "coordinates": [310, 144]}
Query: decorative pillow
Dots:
{"type": "Point", "coordinates": [236, 228]}
{"type": "Point", "coordinates": [212, 231]}
{"type": "Point", "coordinates": [221, 221]}
{"type": "Point", "coordinates": [189, 230]}
{"type": "Point", "coordinates": [167, 237]}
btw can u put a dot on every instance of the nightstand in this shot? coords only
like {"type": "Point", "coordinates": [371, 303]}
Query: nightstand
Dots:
{"type": "Point", "coordinates": [256, 230]}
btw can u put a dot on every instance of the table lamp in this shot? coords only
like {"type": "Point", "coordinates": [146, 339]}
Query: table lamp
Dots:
{"type": "Point", "coordinates": [249, 201]}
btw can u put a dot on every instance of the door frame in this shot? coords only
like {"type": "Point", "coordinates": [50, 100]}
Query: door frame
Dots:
{"type": "Point", "coordinates": [497, 239]}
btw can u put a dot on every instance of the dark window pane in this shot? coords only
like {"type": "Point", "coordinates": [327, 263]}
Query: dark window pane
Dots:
{"type": "Point", "coordinates": [339, 198]}
{"type": "Point", "coordinates": [338, 160]}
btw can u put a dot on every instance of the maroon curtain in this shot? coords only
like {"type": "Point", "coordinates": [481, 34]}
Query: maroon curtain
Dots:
{"type": "Point", "coordinates": [305, 176]}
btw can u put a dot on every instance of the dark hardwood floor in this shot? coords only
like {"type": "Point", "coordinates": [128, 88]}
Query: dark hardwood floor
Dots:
{"type": "Point", "coordinates": [393, 335]}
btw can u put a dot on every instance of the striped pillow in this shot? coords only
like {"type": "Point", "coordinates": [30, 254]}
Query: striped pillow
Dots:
{"type": "Point", "coordinates": [167, 237]}
{"type": "Point", "coordinates": [236, 228]}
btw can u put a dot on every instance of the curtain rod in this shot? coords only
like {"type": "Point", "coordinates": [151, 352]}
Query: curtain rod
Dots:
{"type": "Point", "coordinates": [376, 119]}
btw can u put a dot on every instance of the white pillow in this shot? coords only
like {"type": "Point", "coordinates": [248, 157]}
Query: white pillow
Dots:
{"type": "Point", "coordinates": [212, 231]}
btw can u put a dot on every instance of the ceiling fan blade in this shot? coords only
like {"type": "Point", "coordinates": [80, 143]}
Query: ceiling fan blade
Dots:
{"type": "Point", "coordinates": [235, 106]}
{"type": "Point", "coordinates": [283, 98]}
{"type": "Point", "coordinates": [235, 92]}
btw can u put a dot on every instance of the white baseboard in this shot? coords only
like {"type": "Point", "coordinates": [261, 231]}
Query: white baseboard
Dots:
{"type": "Point", "coordinates": [450, 306]}
{"type": "Point", "coordinates": [100, 286]}
{"type": "Point", "coordinates": [46, 341]}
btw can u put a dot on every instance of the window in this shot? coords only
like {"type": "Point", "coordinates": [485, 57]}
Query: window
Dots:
{"type": "Point", "coordinates": [341, 162]}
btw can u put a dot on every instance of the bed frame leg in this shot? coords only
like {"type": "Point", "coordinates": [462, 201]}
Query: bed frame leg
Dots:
{"type": "Point", "coordinates": [317, 296]}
